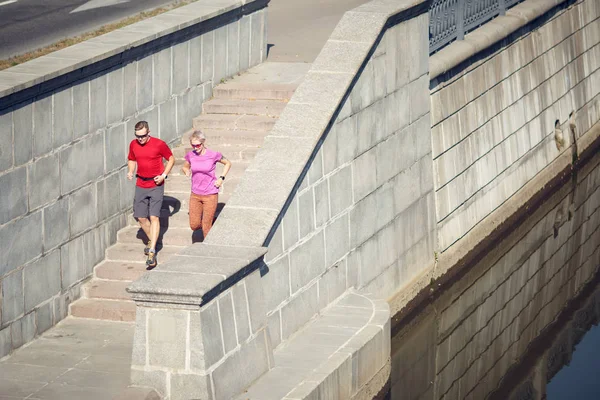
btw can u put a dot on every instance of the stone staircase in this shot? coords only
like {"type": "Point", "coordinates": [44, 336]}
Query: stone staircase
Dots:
{"type": "Point", "coordinates": [235, 123]}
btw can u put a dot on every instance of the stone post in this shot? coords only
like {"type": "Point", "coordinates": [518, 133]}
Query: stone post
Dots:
{"type": "Point", "coordinates": [200, 334]}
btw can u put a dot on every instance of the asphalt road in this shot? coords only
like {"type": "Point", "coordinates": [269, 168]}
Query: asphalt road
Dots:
{"type": "Point", "coordinates": [26, 25]}
{"type": "Point", "coordinates": [297, 29]}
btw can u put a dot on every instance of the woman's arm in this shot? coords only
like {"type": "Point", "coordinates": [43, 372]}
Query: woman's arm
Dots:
{"type": "Point", "coordinates": [227, 164]}
{"type": "Point", "coordinates": [186, 169]}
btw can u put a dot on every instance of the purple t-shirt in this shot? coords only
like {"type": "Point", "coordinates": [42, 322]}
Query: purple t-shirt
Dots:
{"type": "Point", "coordinates": [203, 171]}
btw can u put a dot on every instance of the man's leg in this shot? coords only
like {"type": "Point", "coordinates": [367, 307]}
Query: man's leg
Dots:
{"type": "Point", "coordinates": [145, 225]}
{"type": "Point", "coordinates": [156, 199]}
{"type": "Point", "coordinates": [141, 202]}
{"type": "Point", "coordinates": [154, 231]}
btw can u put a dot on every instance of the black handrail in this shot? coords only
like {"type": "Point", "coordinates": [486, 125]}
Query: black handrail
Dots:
{"type": "Point", "coordinates": [450, 20]}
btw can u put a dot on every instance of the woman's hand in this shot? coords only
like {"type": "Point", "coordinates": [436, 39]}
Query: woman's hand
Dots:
{"type": "Point", "coordinates": [218, 183]}
{"type": "Point", "coordinates": [187, 169]}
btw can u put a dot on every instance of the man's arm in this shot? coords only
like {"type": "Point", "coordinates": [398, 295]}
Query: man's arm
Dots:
{"type": "Point", "coordinates": [170, 164]}
{"type": "Point", "coordinates": [130, 168]}
{"type": "Point", "coordinates": [160, 178]}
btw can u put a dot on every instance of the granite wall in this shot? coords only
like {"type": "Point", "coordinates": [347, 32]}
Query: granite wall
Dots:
{"type": "Point", "coordinates": [505, 122]}
{"type": "Point", "coordinates": [65, 123]}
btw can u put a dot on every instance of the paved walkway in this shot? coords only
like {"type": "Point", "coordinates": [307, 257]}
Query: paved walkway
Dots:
{"type": "Point", "coordinates": [77, 359]}
{"type": "Point", "coordinates": [298, 30]}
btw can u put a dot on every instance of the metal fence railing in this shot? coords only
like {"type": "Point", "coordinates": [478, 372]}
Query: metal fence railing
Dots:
{"type": "Point", "coordinates": [451, 19]}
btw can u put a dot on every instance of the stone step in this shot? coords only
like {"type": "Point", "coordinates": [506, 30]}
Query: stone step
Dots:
{"type": "Point", "coordinates": [178, 202]}
{"type": "Point", "coordinates": [169, 237]}
{"type": "Point", "coordinates": [180, 219]}
{"type": "Point", "coordinates": [175, 201]}
{"type": "Point", "coordinates": [229, 186]}
{"type": "Point", "coordinates": [180, 151]}
{"type": "Point", "coordinates": [218, 137]}
{"type": "Point", "coordinates": [271, 108]}
{"type": "Point", "coordinates": [114, 310]}
{"type": "Point", "coordinates": [105, 289]}
{"type": "Point", "coordinates": [120, 270]}
{"type": "Point", "coordinates": [131, 252]}
{"type": "Point", "coordinates": [137, 393]}
{"type": "Point", "coordinates": [234, 153]}
{"type": "Point", "coordinates": [257, 91]}
{"type": "Point", "coordinates": [181, 184]}
{"type": "Point", "coordinates": [178, 183]}
{"type": "Point", "coordinates": [234, 122]}
{"type": "Point", "coordinates": [321, 354]}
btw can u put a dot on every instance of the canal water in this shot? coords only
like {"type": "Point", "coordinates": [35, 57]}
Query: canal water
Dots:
{"type": "Point", "coordinates": [519, 324]}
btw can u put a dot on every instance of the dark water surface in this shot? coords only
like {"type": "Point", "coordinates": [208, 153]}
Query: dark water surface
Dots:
{"type": "Point", "coordinates": [521, 323]}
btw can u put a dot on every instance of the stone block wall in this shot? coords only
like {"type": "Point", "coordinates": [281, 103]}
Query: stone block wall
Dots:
{"type": "Point", "coordinates": [485, 327]}
{"type": "Point", "coordinates": [210, 352]}
{"type": "Point", "coordinates": [65, 136]}
{"type": "Point", "coordinates": [493, 123]}
{"type": "Point", "coordinates": [363, 214]}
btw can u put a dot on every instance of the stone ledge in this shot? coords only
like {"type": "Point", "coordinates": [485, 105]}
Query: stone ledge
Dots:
{"type": "Point", "coordinates": [337, 353]}
{"type": "Point", "coordinates": [45, 68]}
{"type": "Point", "coordinates": [138, 393]}
{"type": "Point", "coordinates": [292, 143]}
{"type": "Point", "coordinates": [488, 34]}
{"type": "Point", "coordinates": [197, 274]}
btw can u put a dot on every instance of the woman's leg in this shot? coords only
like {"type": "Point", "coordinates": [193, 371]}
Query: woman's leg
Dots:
{"type": "Point", "coordinates": [210, 208]}
{"type": "Point", "coordinates": [195, 211]}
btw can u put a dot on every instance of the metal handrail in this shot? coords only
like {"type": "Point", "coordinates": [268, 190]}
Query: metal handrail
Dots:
{"type": "Point", "coordinates": [450, 20]}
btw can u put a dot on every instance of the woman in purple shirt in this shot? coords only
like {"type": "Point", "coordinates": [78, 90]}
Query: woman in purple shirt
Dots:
{"type": "Point", "coordinates": [200, 164]}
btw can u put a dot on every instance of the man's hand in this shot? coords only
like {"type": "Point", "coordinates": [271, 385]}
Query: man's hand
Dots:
{"type": "Point", "coordinates": [159, 179]}
{"type": "Point", "coordinates": [130, 175]}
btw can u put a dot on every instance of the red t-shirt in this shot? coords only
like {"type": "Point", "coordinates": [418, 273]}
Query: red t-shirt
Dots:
{"type": "Point", "coordinates": [149, 159]}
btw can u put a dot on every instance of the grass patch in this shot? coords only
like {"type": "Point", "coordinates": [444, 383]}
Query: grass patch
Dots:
{"type": "Point", "coordinates": [16, 60]}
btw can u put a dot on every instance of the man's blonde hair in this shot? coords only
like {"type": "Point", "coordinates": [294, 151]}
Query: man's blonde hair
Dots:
{"type": "Point", "coordinates": [198, 135]}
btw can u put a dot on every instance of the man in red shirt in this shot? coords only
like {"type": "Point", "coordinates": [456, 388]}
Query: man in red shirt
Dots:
{"type": "Point", "coordinates": [147, 154]}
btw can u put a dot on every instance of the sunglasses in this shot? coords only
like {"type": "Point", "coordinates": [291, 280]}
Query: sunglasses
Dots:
{"type": "Point", "coordinates": [196, 146]}
{"type": "Point", "coordinates": [139, 137]}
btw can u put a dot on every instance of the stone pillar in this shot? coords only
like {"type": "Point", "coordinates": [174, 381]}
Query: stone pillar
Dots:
{"type": "Point", "coordinates": [201, 335]}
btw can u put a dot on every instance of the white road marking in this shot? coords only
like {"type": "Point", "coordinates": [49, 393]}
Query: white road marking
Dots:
{"type": "Point", "coordinates": [4, 3]}
{"type": "Point", "coordinates": [90, 5]}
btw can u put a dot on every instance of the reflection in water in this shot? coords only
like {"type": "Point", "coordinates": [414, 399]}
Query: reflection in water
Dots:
{"type": "Point", "coordinates": [507, 326]}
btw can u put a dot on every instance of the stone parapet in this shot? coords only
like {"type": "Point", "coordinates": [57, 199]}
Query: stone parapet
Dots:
{"type": "Point", "coordinates": [493, 34]}
{"type": "Point", "coordinates": [201, 322]}
{"type": "Point", "coordinates": [197, 274]}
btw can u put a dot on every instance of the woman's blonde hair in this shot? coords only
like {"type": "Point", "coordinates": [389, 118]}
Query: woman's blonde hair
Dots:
{"type": "Point", "coordinates": [198, 135]}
